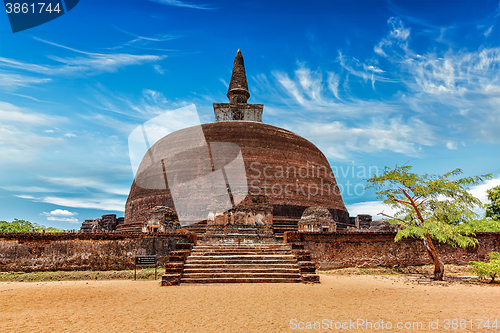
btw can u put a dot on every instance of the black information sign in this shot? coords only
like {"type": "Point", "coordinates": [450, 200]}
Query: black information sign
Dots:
{"type": "Point", "coordinates": [145, 261]}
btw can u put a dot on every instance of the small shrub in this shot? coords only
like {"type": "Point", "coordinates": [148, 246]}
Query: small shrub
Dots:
{"type": "Point", "coordinates": [487, 269]}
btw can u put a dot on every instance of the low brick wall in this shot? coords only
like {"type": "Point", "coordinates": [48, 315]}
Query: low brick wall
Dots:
{"type": "Point", "coordinates": [28, 252]}
{"type": "Point", "coordinates": [372, 249]}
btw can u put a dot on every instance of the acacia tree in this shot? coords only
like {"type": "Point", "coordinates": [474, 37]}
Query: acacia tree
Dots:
{"type": "Point", "coordinates": [493, 209]}
{"type": "Point", "coordinates": [429, 207]}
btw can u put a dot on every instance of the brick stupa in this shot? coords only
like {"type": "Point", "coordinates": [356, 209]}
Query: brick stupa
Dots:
{"type": "Point", "coordinates": [291, 171]}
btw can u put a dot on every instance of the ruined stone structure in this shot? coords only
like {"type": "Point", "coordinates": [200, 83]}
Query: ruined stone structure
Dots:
{"type": "Point", "coordinates": [250, 219]}
{"type": "Point", "coordinates": [317, 219]}
{"type": "Point", "coordinates": [107, 223]}
{"type": "Point", "coordinates": [363, 221]}
{"type": "Point", "coordinates": [287, 169]}
{"type": "Point", "coordinates": [161, 219]}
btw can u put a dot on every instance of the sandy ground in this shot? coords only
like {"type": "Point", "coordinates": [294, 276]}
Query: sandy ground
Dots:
{"type": "Point", "coordinates": [144, 306]}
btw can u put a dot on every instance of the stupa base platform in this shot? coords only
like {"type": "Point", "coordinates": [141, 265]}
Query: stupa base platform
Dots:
{"type": "Point", "coordinates": [239, 234]}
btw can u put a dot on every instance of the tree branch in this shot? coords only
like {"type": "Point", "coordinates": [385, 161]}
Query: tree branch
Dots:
{"type": "Point", "coordinates": [392, 217]}
{"type": "Point", "coordinates": [422, 202]}
{"type": "Point", "coordinates": [412, 203]}
{"type": "Point", "coordinates": [401, 201]}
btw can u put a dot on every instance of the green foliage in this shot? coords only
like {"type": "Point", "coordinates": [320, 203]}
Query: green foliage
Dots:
{"type": "Point", "coordinates": [52, 229]}
{"type": "Point", "coordinates": [429, 204]}
{"type": "Point", "coordinates": [24, 226]}
{"type": "Point", "coordinates": [487, 269]}
{"type": "Point", "coordinates": [493, 209]}
{"type": "Point", "coordinates": [482, 225]}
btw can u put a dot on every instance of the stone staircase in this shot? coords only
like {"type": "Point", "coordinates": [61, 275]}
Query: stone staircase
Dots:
{"type": "Point", "coordinates": [239, 263]}
{"type": "Point", "coordinates": [282, 225]}
{"type": "Point", "coordinates": [249, 263]}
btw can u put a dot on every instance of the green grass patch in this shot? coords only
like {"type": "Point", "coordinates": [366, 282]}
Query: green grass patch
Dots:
{"type": "Point", "coordinates": [142, 274]}
{"type": "Point", "coordinates": [425, 269]}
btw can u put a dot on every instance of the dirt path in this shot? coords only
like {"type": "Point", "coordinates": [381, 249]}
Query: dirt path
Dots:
{"type": "Point", "coordinates": [144, 306]}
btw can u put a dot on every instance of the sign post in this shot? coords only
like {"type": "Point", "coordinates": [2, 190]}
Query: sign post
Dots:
{"type": "Point", "coordinates": [145, 261]}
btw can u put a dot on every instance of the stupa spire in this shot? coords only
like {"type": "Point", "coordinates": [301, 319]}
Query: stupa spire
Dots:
{"type": "Point", "coordinates": [237, 109]}
{"type": "Point", "coordinates": [238, 87]}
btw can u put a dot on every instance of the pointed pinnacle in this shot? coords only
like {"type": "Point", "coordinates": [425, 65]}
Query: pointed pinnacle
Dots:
{"type": "Point", "coordinates": [238, 87]}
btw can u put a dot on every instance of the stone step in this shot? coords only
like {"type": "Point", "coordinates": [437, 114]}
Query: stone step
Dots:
{"type": "Point", "coordinates": [241, 280]}
{"type": "Point", "coordinates": [241, 246]}
{"type": "Point", "coordinates": [242, 257]}
{"type": "Point", "coordinates": [233, 253]}
{"type": "Point", "coordinates": [240, 275]}
{"type": "Point", "coordinates": [240, 261]}
{"type": "Point", "coordinates": [213, 270]}
{"type": "Point", "coordinates": [285, 225]}
{"type": "Point", "coordinates": [242, 266]}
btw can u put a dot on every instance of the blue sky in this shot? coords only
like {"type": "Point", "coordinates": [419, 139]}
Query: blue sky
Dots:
{"type": "Point", "coordinates": [370, 83]}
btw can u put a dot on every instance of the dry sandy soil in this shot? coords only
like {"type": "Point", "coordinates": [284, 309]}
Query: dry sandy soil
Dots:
{"type": "Point", "coordinates": [144, 306]}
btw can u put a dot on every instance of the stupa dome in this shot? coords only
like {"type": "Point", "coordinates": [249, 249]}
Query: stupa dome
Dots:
{"type": "Point", "coordinates": [291, 171]}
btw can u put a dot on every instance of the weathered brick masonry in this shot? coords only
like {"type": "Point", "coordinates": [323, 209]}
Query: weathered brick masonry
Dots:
{"type": "Point", "coordinates": [28, 252]}
{"type": "Point", "coordinates": [278, 163]}
{"type": "Point", "coordinates": [103, 251]}
{"type": "Point", "coordinates": [371, 249]}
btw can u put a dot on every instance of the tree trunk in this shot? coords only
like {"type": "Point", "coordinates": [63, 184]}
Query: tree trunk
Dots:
{"type": "Point", "coordinates": [438, 265]}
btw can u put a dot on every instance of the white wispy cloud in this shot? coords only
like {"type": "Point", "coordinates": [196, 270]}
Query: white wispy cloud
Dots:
{"type": "Point", "coordinates": [365, 71]}
{"type": "Point", "coordinates": [25, 196]}
{"type": "Point", "coordinates": [290, 86]}
{"type": "Point", "coordinates": [104, 203]}
{"type": "Point", "coordinates": [61, 215]}
{"type": "Point", "coordinates": [333, 84]}
{"type": "Point", "coordinates": [443, 97]}
{"type": "Point", "coordinates": [450, 82]}
{"type": "Point", "coordinates": [21, 140]}
{"type": "Point", "coordinates": [479, 191]}
{"type": "Point", "coordinates": [13, 80]}
{"type": "Point", "coordinates": [10, 113]}
{"type": "Point", "coordinates": [63, 219]}
{"type": "Point", "coordinates": [338, 140]}
{"type": "Point", "coordinates": [224, 83]}
{"type": "Point", "coordinates": [60, 212]}
{"type": "Point", "coordinates": [178, 3]}
{"type": "Point", "coordinates": [451, 145]}
{"type": "Point", "coordinates": [152, 103]}
{"type": "Point", "coordinates": [97, 202]}
{"type": "Point", "coordinates": [81, 183]}
{"type": "Point", "coordinates": [89, 63]}
{"type": "Point", "coordinates": [372, 208]}
{"type": "Point", "coordinates": [488, 31]}
{"type": "Point", "coordinates": [144, 40]}
{"type": "Point", "coordinates": [309, 90]}
{"type": "Point", "coordinates": [29, 189]}
{"type": "Point", "coordinates": [19, 147]}
{"type": "Point", "coordinates": [397, 37]}
{"type": "Point", "coordinates": [159, 69]}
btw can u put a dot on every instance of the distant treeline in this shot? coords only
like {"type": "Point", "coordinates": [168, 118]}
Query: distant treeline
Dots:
{"type": "Point", "coordinates": [25, 226]}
